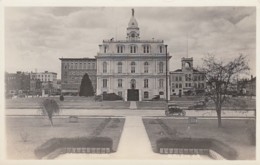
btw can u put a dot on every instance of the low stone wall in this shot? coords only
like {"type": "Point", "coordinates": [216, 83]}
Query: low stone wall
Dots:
{"type": "Point", "coordinates": [87, 150]}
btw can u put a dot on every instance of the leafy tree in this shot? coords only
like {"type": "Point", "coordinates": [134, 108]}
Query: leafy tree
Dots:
{"type": "Point", "coordinates": [220, 76]}
{"type": "Point", "coordinates": [49, 108]}
{"type": "Point", "coordinates": [86, 88]}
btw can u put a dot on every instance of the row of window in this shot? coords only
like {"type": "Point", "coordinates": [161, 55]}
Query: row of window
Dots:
{"type": "Point", "coordinates": [133, 67]}
{"type": "Point", "coordinates": [80, 65]}
{"type": "Point", "coordinates": [133, 49]}
{"type": "Point", "coordinates": [179, 85]}
{"type": "Point", "coordinates": [146, 94]}
{"type": "Point", "coordinates": [133, 83]}
{"type": "Point", "coordinates": [188, 77]}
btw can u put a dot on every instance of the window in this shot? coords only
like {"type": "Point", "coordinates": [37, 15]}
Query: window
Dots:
{"type": "Point", "coordinates": [104, 83]}
{"type": "Point", "coordinates": [133, 84]}
{"type": "Point", "coordinates": [80, 65]}
{"type": "Point", "coordinates": [180, 78]}
{"type": "Point", "coordinates": [120, 83]}
{"type": "Point", "coordinates": [160, 83]}
{"type": "Point", "coordinates": [71, 65]}
{"type": "Point", "coordinates": [202, 77]}
{"type": "Point", "coordinates": [186, 77]}
{"type": "Point", "coordinates": [133, 49]}
{"type": "Point", "coordinates": [176, 78]}
{"type": "Point", "coordinates": [180, 85]}
{"type": "Point", "coordinates": [120, 48]}
{"type": "Point", "coordinates": [161, 93]}
{"type": "Point", "coordinates": [195, 78]}
{"type": "Point", "coordinates": [105, 49]}
{"type": "Point", "coordinates": [186, 84]}
{"type": "Point", "coordinates": [173, 85]}
{"type": "Point", "coordinates": [104, 67]}
{"type": "Point", "coordinates": [119, 67]}
{"type": "Point", "coordinates": [198, 78]}
{"type": "Point", "coordinates": [85, 65]}
{"type": "Point", "coordinates": [195, 85]}
{"type": "Point", "coordinates": [76, 66]}
{"type": "Point", "coordinates": [146, 67]}
{"type": "Point", "coordinates": [189, 84]}
{"type": "Point", "coordinates": [146, 95]}
{"type": "Point", "coordinates": [146, 48]}
{"type": "Point", "coordinates": [161, 49]}
{"type": "Point", "coordinates": [202, 85]}
{"type": "Point", "coordinates": [161, 67]}
{"type": "Point", "coordinates": [132, 67]}
{"type": "Point", "coordinates": [145, 83]}
{"type": "Point", "coordinates": [177, 85]}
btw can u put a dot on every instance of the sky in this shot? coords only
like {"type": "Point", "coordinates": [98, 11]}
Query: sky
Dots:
{"type": "Point", "coordinates": [36, 37]}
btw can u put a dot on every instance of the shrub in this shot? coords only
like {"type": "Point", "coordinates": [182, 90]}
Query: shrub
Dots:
{"type": "Point", "coordinates": [77, 142]}
{"type": "Point", "coordinates": [61, 98]}
{"type": "Point", "coordinates": [111, 97]}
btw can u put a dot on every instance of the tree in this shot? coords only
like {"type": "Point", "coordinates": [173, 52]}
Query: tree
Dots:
{"type": "Point", "coordinates": [220, 76]}
{"type": "Point", "coordinates": [49, 108]}
{"type": "Point", "coordinates": [86, 88]}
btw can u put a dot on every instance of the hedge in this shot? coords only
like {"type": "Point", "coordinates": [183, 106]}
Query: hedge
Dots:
{"type": "Point", "coordinates": [79, 142]}
{"type": "Point", "coordinates": [198, 143]}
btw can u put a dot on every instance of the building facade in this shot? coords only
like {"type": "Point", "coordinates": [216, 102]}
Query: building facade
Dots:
{"type": "Point", "coordinates": [17, 83]}
{"type": "Point", "coordinates": [133, 68]}
{"type": "Point", "coordinates": [187, 80]}
{"type": "Point", "coordinates": [72, 72]}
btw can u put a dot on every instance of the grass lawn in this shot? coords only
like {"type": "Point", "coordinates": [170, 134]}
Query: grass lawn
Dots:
{"type": "Point", "coordinates": [69, 102]}
{"type": "Point", "coordinates": [233, 133]}
{"type": "Point", "coordinates": [38, 130]}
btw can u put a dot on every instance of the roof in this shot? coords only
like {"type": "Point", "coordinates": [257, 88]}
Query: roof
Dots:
{"type": "Point", "coordinates": [85, 58]}
{"type": "Point", "coordinates": [180, 71]}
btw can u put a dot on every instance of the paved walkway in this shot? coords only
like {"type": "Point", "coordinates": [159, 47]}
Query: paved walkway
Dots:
{"type": "Point", "coordinates": [134, 144]}
{"type": "Point", "coordinates": [133, 105]}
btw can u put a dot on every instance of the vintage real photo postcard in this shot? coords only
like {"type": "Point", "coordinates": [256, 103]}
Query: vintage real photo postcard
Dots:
{"type": "Point", "coordinates": [129, 82]}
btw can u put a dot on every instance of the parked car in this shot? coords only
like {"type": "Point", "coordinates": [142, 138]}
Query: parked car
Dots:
{"type": "Point", "coordinates": [174, 109]}
{"type": "Point", "coordinates": [198, 105]}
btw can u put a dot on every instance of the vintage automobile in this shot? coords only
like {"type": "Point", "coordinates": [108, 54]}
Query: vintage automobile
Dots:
{"type": "Point", "coordinates": [198, 105]}
{"type": "Point", "coordinates": [174, 109]}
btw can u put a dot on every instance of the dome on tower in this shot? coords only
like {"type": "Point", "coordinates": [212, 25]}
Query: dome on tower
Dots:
{"type": "Point", "coordinates": [133, 23]}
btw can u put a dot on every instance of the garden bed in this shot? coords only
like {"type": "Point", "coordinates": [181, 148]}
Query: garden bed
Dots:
{"type": "Point", "coordinates": [25, 134]}
{"type": "Point", "coordinates": [234, 133]}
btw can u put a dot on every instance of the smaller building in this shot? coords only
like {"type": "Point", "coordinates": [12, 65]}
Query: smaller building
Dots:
{"type": "Point", "coordinates": [17, 83]}
{"type": "Point", "coordinates": [72, 72]}
{"type": "Point", "coordinates": [247, 86]}
{"type": "Point", "coordinates": [187, 80]}
{"type": "Point", "coordinates": [46, 81]}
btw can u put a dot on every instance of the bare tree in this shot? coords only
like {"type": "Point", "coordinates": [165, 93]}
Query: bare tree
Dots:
{"type": "Point", "coordinates": [220, 77]}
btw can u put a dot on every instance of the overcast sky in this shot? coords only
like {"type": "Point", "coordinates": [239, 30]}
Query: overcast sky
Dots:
{"type": "Point", "coordinates": [36, 37]}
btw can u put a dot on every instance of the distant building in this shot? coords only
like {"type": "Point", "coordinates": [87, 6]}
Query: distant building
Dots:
{"type": "Point", "coordinates": [17, 83]}
{"type": "Point", "coordinates": [132, 68]}
{"type": "Point", "coordinates": [187, 80]}
{"type": "Point", "coordinates": [72, 72]}
{"type": "Point", "coordinates": [43, 81]}
{"type": "Point", "coordinates": [247, 86]}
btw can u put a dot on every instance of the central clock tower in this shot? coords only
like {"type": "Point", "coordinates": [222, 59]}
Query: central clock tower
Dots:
{"type": "Point", "coordinates": [133, 29]}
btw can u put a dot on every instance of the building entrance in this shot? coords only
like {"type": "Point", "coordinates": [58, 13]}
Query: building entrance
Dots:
{"type": "Point", "coordinates": [132, 95]}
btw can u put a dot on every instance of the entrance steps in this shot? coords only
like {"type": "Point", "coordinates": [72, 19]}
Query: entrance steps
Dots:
{"type": "Point", "coordinates": [133, 105]}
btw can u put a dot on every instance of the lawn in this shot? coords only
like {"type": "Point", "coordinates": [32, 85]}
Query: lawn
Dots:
{"type": "Point", "coordinates": [74, 102]}
{"type": "Point", "coordinates": [233, 133]}
{"type": "Point", "coordinates": [37, 130]}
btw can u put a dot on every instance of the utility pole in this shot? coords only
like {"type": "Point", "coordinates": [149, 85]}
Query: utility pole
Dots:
{"type": "Point", "coordinates": [166, 73]}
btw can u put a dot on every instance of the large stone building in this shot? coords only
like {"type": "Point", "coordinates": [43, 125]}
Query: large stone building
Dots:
{"type": "Point", "coordinates": [72, 72]}
{"type": "Point", "coordinates": [187, 80]}
{"type": "Point", "coordinates": [133, 68]}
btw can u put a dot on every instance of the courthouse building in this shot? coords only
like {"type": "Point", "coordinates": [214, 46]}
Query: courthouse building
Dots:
{"type": "Point", "coordinates": [133, 68]}
{"type": "Point", "coordinates": [187, 80]}
{"type": "Point", "coordinates": [72, 72]}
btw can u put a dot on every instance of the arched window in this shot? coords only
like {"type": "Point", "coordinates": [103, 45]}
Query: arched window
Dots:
{"type": "Point", "coordinates": [133, 49]}
{"type": "Point", "coordinates": [146, 48]}
{"type": "Point", "coordinates": [119, 67]}
{"type": "Point", "coordinates": [146, 67]}
{"type": "Point", "coordinates": [120, 49]}
{"type": "Point", "coordinates": [146, 95]}
{"type": "Point", "coordinates": [104, 67]}
{"type": "Point", "coordinates": [133, 84]}
{"type": "Point", "coordinates": [161, 67]}
{"type": "Point", "coordinates": [132, 67]}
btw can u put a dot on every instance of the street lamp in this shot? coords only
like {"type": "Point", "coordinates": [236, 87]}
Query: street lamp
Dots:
{"type": "Point", "coordinates": [166, 73]}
